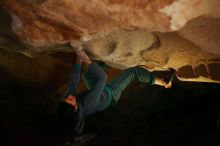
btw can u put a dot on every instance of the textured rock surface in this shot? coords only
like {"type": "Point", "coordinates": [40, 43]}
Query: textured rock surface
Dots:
{"type": "Point", "coordinates": [39, 27]}
{"type": "Point", "coordinates": [123, 49]}
{"type": "Point", "coordinates": [203, 32]}
{"type": "Point", "coordinates": [29, 71]}
{"type": "Point", "coordinates": [181, 11]}
{"type": "Point", "coordinates": [44, 71]}
{"type": "Point", "coordinates": [185, 57]}
{"type": "Point", "coordinates": [50, 22]}
{"type": "Point", "coordinates": [56, 22]}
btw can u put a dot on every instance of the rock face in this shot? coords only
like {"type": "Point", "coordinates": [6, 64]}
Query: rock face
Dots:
{"type": "Point", "coordinates": [42, 72]}
{"type": "Point", "coordinates": [181, 11]}
{"type": "Point", "coordinates": [203, 32]}
{"type": "Point", "coordinates": [123, 49]}
{"type": "Point", "coordinates": [121, 33]}
{"type": "Point", "coordinates": [37, 71]}
{"type": "Point", "coordinates": [52, 22]}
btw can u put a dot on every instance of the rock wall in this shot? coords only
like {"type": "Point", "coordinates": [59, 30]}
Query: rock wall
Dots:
{"type": "Point", "coordinates": [203, 32]}
{"type": "Point", "coordinates": [121, 48]}
{"type": "Point", "coordinates": [26, 70]}
{"type": "Point", "coordinates": [45, 71]}
{"type": "Point", "coordinates": [160, 51]}
{"type": "Point", "coordinates": [52, 22]}
{"type": "Point", "coordinates": [121, 33]}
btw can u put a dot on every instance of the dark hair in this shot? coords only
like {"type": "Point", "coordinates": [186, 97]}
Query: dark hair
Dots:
{"type": "Point", "coordinates": [65, 113]}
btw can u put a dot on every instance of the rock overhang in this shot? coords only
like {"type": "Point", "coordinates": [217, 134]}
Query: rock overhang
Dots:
{"type": "Point", "coordinates": [48, 26]}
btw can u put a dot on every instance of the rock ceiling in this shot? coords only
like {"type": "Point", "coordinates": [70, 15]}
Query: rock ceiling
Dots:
{"type": "Point", "coordinates": [158, 34]}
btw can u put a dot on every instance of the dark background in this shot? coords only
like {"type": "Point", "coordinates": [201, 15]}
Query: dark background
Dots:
{"type": "Point", "coordinates": [187, 114]}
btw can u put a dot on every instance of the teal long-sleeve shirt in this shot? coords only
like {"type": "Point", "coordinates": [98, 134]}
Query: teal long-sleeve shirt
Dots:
{"type": "Point", "coordinates": [96, 99]}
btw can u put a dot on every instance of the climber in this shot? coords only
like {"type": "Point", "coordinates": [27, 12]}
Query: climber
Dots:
{"type": "Point", "coordinates": [100, 95]}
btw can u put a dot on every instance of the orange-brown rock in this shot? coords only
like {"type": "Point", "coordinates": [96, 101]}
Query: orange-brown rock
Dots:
{"type": "Point", "coordinates": [119, 32]}
{"type": "Point", "coordinates": [43, 23]}
{"type": "Point", "coordinates": [49, 22]}
{"type": "Point", "coordinates": [203, 32]}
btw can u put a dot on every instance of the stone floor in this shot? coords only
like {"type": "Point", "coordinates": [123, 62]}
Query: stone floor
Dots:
{"type": "Point", "coordinates": [145, 116]}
